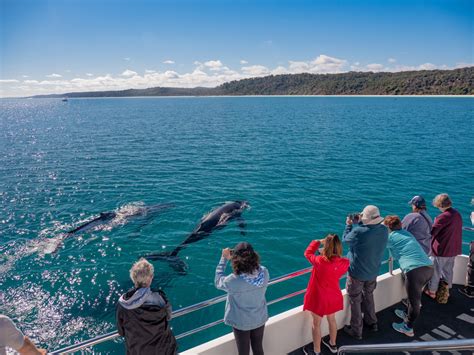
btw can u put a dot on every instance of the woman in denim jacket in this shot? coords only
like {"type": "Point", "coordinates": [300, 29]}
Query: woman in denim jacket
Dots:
{"type": "Point", "coordinates": [246, 307]}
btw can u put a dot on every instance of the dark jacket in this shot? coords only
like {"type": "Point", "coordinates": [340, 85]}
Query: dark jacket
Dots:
{"type": "Point", "coordinates": [142, 318]}
{"type": "Point", "coordinates": [446, 234]}
{"type": "Point", "coordinates": [366, 247]}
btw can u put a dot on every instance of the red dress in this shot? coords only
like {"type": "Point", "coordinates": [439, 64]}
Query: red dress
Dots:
{"type": "Point", "coordinates": [323, 295]}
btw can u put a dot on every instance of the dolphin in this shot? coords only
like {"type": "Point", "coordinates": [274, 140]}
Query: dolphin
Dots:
{"type": "Point", "coordinates": [216, 219]}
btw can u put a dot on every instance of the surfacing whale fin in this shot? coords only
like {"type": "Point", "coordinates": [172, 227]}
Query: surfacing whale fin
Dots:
{"type": "Point", "coordinates": [173, 260]}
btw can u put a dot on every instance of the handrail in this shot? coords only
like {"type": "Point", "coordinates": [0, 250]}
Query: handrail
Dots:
{"type": "Point", "coordinates": [181, 312]}
{"type": "Point", "coordinates": [192, 308]}
{"type": "Point", "coordinates": [445, 345]}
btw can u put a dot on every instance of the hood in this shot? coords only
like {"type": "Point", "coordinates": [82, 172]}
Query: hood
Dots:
{"type": "Point", "coordinates": [257, 278]}
{"type": "Point", "coordinates": [139, 297]}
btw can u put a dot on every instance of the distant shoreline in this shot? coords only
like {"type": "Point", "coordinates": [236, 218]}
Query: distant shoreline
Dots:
{"type": "Point", "coordinates": [233, 96]}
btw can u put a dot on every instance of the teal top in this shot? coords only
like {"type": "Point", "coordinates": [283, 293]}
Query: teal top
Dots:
{"type": "Point", "coordinates": [404, 247]}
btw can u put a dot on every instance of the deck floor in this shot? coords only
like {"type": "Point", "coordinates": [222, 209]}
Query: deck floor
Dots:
{"type": "Point", "coordinates": [454, 320]}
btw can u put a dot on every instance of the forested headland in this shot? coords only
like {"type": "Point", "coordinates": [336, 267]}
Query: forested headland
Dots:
{"type": "Point", "coordinates": [423, 82]}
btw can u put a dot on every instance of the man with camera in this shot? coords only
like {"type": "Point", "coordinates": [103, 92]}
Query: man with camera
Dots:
{"type": "Point", "coordinates": [367, 238]}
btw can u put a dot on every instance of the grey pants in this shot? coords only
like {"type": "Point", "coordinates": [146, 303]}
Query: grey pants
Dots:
{"type": "Point", "coordinates": [361, 298]}
{"type": "Point", "coordinates": [443, 269]}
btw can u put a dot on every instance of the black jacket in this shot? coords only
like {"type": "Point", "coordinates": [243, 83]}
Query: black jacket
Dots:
{"type": "Point", "coordinates": [146, 329]}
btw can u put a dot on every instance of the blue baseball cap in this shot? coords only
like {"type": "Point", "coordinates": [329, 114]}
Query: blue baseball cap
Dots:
{"type": "Point", "coordinates": [417, 201]}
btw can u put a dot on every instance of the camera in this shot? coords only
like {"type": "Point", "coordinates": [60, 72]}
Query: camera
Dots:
{"type": "Point", "coordinates": [354, 217]}
{"type": "Point", "coordinates": [231, 252]}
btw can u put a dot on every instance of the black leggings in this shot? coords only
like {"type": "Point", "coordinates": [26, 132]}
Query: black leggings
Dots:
{"type": "Point", "coordinates": [244, 338]}
{"type": "Point", "coordinates": [415, 280]}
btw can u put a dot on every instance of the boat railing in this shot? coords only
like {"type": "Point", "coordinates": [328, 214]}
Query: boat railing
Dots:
{"type": "Point", "coordinates": [201, 305]}
{"type": "Point", "coordinates": [441, 345]}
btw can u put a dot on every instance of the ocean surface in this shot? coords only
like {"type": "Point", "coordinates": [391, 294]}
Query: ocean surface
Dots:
{"type": "Point", "coordinates": [303, 164]}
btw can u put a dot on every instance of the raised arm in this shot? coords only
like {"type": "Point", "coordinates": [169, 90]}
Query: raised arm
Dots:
{"type": "Point", "coordinates": [310, 251]}
{"type": "Point", "coordinates": [220, 278]}
{"type": "Point", "coordinates": [349, 234]}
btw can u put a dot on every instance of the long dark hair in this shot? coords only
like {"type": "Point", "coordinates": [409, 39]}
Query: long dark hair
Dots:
{"type": "Point", "coordinates": [244, 259]}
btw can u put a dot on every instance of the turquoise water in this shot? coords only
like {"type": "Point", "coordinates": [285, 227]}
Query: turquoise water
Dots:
{"type": "Point", "coordinates": [303, 163]}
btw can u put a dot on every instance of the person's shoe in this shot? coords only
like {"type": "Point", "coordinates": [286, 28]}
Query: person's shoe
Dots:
{"type": "Point", "coordinates": [372, 327]}
{"type": "Point", "coordinates": [349, 331]}
{"type": "Point", "coordinates": [402, 315]}
{"type": "Point", "coordinates": [467, 291]}
{"type": "Point", "coordinates": [403, 328]}
{"type": "Point", "coordinates": [326, 341]}
{"type": "Point", "coordinates": [309, 350]}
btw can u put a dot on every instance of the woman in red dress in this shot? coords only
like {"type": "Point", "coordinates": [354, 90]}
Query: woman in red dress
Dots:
{"type": "Point", "coordinates": [323, 295]}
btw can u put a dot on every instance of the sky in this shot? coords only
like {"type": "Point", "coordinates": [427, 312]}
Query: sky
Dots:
{"type": "Point", "coordinates": [58, 46]}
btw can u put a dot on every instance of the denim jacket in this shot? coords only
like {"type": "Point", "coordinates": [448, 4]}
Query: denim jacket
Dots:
{"type": "Point", "coordinates": [246, 307]}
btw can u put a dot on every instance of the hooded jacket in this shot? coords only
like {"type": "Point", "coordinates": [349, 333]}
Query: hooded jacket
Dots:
{"type": "Point", "coordinates": [246, 307]}
{"type": "Point", "coordinates": [142, 318]}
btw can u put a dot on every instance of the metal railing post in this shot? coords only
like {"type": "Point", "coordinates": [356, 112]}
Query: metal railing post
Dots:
{"type": "Point", "coordinates": [390, 265]}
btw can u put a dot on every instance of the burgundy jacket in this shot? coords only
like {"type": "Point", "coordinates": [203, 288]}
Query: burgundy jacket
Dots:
{"type": "Point", "coordinates": [446, 234]}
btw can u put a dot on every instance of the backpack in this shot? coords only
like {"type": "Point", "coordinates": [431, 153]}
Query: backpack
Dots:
{"type": "Point", "coordinates": [442, 294]}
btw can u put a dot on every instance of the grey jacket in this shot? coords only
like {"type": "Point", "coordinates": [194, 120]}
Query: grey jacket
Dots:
{"type": "Point", "coordinates": [419, 224]}
{"type": "Point", "coordinates": [246, 307]}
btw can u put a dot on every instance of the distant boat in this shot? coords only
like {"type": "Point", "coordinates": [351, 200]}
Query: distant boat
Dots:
{"type": "Point", "coordinates": [64, 99]}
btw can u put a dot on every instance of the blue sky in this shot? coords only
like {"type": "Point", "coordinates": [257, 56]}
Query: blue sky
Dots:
{"type": "Point", "coordinates": [77, 45]}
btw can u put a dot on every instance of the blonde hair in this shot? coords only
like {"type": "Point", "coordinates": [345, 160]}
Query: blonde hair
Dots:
{"type": "Point", "coordinates": [141, 273]}
{"type": "Point", "coordinates": [332, 246]}
{"type": "Point", "coordinates": [442, 201]}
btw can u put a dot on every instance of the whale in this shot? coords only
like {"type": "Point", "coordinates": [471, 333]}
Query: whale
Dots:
{"type": "Point", "coordinates": [108, 219]}
{"type": "Point", "coordinates": [123, 214]}
{"type": "Point", "coordinates": [214, 220]}
{"type": "Point", "coordinates": [103, 218]}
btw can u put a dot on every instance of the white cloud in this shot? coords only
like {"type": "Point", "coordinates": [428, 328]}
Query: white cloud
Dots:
{"type": "Point", "coordinates": [427, 66]}
{"type": "Point", "coordinates": [298, 67]}
{"type": "Point", "coordinates": [392, 60]}
{"type": "Point", "coordinates": [321, 64]}
{"type": "Point", "coordinates": [30, 81]}
{"type": "Point", "coordinates": [129, 73]}
{"type": "Point", "coordinates": [243, 62]}
{"type": "Point", "coordinates": [54, 75]}
{"type": "Point", "coordinates": [149, 71]}
{"type": "Point", "coordinates": [375, 67]}
{"type": "Point", "coordinates": [255, 70]}
{"type": "Point", "coordinates": [464, 65]}
{"type": "Point", "coordinates": [279, 70]}
{"type": "Point", "coordinates": [8, 81]}
{"type": "Point", "coordinates": [127, 59]}
{"type": "Point", "coordinates": [327, 64]}
{"type": "Point", "coordinates": [168, 62]}
{"type": "Point", "coordinates": [170, 74]}
{"type": "Point", "coordinates": [89, 74]}
{"type": "Point", "coordinates": [25, 76]}
{"type": "Point", "coordinates": [214, 65]}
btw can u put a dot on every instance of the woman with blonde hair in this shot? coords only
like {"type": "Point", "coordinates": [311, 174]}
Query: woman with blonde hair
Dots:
{"type": "Point", "coordinates": [323, 295]}
{"type": "Point", "coordinates": [143, 315]}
